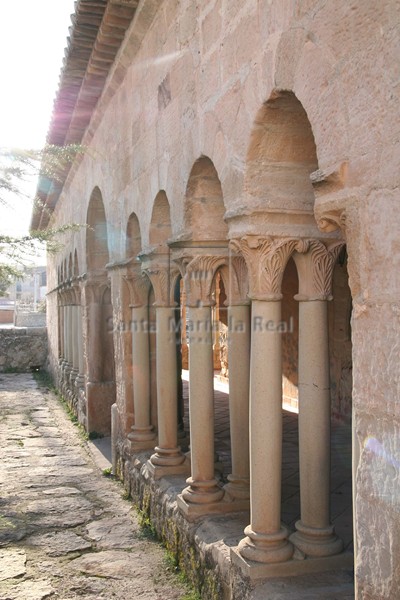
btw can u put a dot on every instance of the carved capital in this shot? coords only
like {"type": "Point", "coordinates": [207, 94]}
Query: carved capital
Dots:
{"type": "Point", "coordinates": [331, 220]}
{"type": "Point", "coordinates": [198, 277]}
{"type": "Point", "coordinates": [163, 280]}
{"type": "Point", "coordinates": [266, 259]}
{"type": "Point", "coordinates": [93, 289]}
{"type": "Point", "coordinates": [315, 269]}
{"type": "Point", "coordinates": [139, 285]}
{"type": "Point", "coordinates": [236, 281]}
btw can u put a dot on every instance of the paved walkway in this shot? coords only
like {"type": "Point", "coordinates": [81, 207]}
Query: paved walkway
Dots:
{"type": "Point", "coordinates": [65, 530]}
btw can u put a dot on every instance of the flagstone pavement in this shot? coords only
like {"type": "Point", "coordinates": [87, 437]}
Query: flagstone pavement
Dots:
{"type": "Point", "coordinates": [65, 530]}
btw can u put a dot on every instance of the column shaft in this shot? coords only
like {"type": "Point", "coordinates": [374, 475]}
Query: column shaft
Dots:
{"type": "Point", "coordinates": [81, 364]}
{"type": "Point", "coordinates": [203, 487]}
{"type": "Point", "coordinates": [314, 533]}
{"type": "Point", "coordinates": [75, 360]}
{"type": "Point", "coordinates": [142, 429]}
{"type": "Point", "coordinates": [94, 343]}
{"type": "Point", "coordinates": [239, 381]}
{"type": "Point", "coordinates": [266, 541]}
{"type": "Point", "coordinates": [65, 333]}
{"type": "Point", "coordinates": [167, 452]}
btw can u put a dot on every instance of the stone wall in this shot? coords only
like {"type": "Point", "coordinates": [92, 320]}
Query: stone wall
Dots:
{"type": "Point", "coordinates": [30, 319]}
{"type": "Point", "coordinates": [192, 80]}
{"type": "Point", "coordinates": [22, 349]}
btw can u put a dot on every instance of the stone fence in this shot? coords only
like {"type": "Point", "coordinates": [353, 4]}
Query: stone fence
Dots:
{"type": "Point", "coordinates": [23, 348]}
{"type": "Point", "coordinates": [30, 319]}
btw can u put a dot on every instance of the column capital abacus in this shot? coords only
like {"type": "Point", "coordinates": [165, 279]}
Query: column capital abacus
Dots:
{"type": "Point", "coordinates": [266, 259]}
{"type": "Point", "coordinates": [315, 269]}
{"type": "Point", "coordinates": [198, 277]}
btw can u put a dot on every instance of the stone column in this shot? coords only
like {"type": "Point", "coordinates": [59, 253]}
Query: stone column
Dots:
{"type": "Point", "coordinates": [168, 457]}
{"type": "Point", "coordinates": [239, 327]}
{"type": "Point", "coordinates": [94, 358]}
{"type": "Point", "coordinates": [74, 333]}
{"type": "Point", "coordinates": [60, 328]}
{"type": "Point", "coordinates": [80, 380]}
{"type": "Point", "coordinates": [142, 435]}
{"type": "Point", "coordinates": [315, 535]}
{"type": "Point", "coordinates": [203, 491]}
{"type": "Point", "coordinates": [68, 345]}
{"type": "Point", "coordinates": [266, 540]}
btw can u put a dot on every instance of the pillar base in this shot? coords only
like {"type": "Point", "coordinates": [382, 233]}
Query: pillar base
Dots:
{"type": "Point", "coordinates": [142, 437]}
{"type": "Point", "coordinates": [167, 457]}
{"type": "Point", "coordinates": [238, 488]}
{"type": "Point", "coordinates": [159, 471]}
{"type": "Point", "coordinates": [137, 445]}
{"type": "Point", "coordinates": [80, 381]}
{"type": "Point", "coordinates": [298, 565]}
{"type": "Point", "coordinates": [316, 542]}
{"type": "Point", "coordinates": [202, 492]}
{"type": "Point", "coordinates": [266, 547]}
{"type": "Point", "coordinates": [192, 511]}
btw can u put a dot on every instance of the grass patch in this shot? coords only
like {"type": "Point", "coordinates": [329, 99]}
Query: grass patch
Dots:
{"type": "Point", "coordinates": [172, 565]}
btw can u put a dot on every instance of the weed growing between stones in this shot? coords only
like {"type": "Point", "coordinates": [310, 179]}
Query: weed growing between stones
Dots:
{"type": "Point", "coordinates": [172, 565]}
{"type": "Point", "coordinates": [107, 472]}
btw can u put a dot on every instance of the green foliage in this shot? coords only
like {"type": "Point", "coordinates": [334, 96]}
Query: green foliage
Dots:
{"type": "Point", "coordinates": [18, 166]}
{"type": "Point", "coordinates": [50, 163]}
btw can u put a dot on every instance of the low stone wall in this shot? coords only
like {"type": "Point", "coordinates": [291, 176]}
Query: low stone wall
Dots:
{"type": "Point", "coordinates": [30, 319]}
{"type": "Point", "coordinates": [198, 548]}
{"type": "Point", "coordinates": [23, 348]}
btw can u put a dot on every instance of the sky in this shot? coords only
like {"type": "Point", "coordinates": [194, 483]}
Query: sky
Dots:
{"type": "Point", "coordinates": [33, 35]}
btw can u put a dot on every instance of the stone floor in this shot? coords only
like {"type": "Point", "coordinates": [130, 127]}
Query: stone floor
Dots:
{"type": "Point", "coordinates": [65, 530]}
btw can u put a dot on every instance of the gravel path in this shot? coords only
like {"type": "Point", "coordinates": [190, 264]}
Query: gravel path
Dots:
{"type": "Point", "coordinates": [65, 530]}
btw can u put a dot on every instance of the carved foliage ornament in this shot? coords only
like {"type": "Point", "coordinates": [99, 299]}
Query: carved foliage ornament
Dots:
{"type": "Point", "coordinates": [266, 259]}
{"type": "Point", "coordinates": [199, 275]}
{"type": "Point", "coordinates": [332, 220]}
{"type": "Point", "coordinates": [139, 286]}
{"type": "Point", "coordinates": [236, 281]}
{"type": "Point", "coordinates": [163, 280]}
{"type": "Point", "coordinates": [323, 261]}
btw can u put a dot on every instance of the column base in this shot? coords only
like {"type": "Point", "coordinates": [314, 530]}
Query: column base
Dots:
{"type": "Point", "coordinates": [142, 437]}
{"type": "Point", "coordinates": [316, 542]}
{"type": "Point", "coordinates": [266, 547]}
{"type": "Point", "coordinates": [192, 511]}
{"type": "Point", "coordinates": [297, 565]}
{"type": "Point", "coordinates": [237, 488]}
{"type": "Point", "coordinates": [170, 457]}
{"type": "Point", "coordinates": [80, 381]}
{"type": "Point", "coordinates": [159, 471]}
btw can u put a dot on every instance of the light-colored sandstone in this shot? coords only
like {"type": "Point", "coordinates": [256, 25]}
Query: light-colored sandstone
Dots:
{"type": "Point", "coordinates": [273, 126]}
